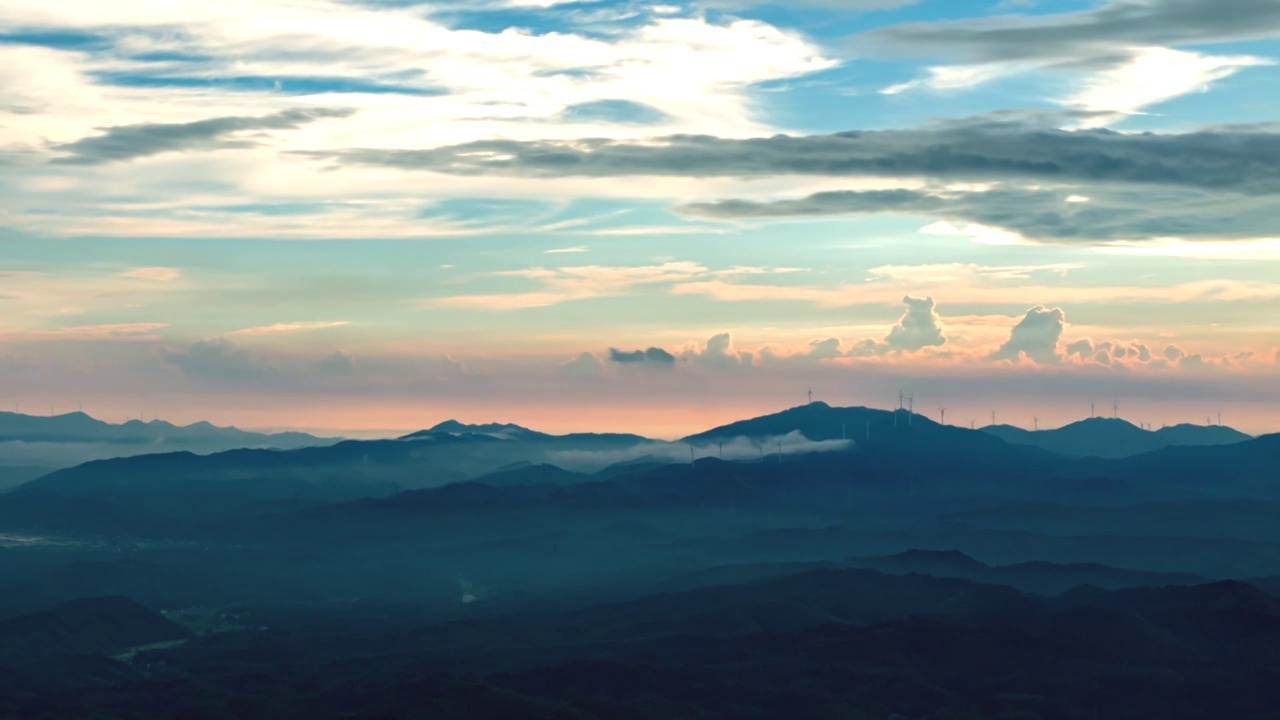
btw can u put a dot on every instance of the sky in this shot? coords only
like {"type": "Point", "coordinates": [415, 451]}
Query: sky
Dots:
{"type": "Point", "coordinates": [369, 216]}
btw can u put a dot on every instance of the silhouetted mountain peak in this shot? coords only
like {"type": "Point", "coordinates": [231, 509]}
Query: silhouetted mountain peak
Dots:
{"type": "Point", "coordinates": [454, 426]}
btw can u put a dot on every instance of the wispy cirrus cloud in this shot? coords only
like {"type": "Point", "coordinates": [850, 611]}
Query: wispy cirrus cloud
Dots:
{"type": "Point", "coordinates": [136, 332]}
{"type": "Point", "coordinates": [583, 282]}
{"type": "Point", "coordinates": [870, 294]}
{"type": "Point", "coordinates": [285, 328]}
{"type": "Point", "coordinates": [158, 274]}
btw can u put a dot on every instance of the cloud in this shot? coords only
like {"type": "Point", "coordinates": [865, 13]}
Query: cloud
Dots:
{"type": "Point", "coordinates": [1119, 56]}
{"type": "Point", "coordinates": [719, 352]}
{"type": "Point", "coordinates": [583, 282]}
{"type": "Point", "coordinates": [129, 142]}
{"type": "Point", "coordinates": [218, 360]}
{"type": "Point", "coordinates": [158, 274]}
{"type": "Point", "coordinates": [1152, 76]}
{"type": "Point", "coordinates": [999, 146]}
{"type": "Point", "coordinates": [848, 295]}
{"type": "Point", "coordinates": [291, 327]}
{"type": "Point", "coordinates": [1098, 34]}
{"type": "Point", "coordinates": [1082, 348]}
{"type": "Point", "coordinates": [1035, 337]}
{"type": "Point", "coordinates": [585, 365]}
{"type": "Point", "coordinates": [653, 356]}
{"type": "Point", "coordinates": [827, 349]}
{"type": "Point", "coordinates": [1109, 213]}
{"type": "Point", "coordinates": [451, 366]}
{"type": "Point", "coordinates": [337, 363]}
{"type": "Point", "coordinates": [919, 327]}
{"type": "Point", "coordinates": [141, 331]}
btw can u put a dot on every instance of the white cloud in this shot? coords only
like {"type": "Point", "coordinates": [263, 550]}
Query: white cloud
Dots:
{"type": "Point", "coordinates": [1152, 76]}
{"type": "Point", "coordinates": [1035, 337]}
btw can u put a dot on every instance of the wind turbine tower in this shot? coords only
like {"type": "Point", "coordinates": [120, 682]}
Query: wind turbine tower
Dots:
{"type": "Point", "coordinates": [1037, 423]}
{"type": "Point", "coordinates": [943, 412]}
{"type": "Point", "coordinates": [911, 407]}
{"type": "Point", "coordinates": [810, 396]}
{"type": "Point", "coordinates": [1115, 410]}
{"type": "Point", "coordinates": [993, 418]}
{"type": "Point", "coordinates": [1092, 412]}
{"type": "Point", "coordinates": [1219, 419]}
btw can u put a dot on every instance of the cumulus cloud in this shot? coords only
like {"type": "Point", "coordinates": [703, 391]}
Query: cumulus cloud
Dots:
{"type": "Point", "coordinates": [1082, 348]}
{"type": "Point", "coordinates": [719, 351]}
{"type": "Point", "coordinates": [217, 359]}
{"type": "Point", "coordinates": [653, 356]}
{"type": "Point", "coordinates": [129, 142]}
{"type": "Point", "coordinates": [451, 365]}
{"type": "Point", "coordinates": [828, 349]}
{"type": "Point", "coordinates": [1035, 337]}
{"type": "Point", "coordinates": [337, 363]}
{"type": "Point", "coordinates": [585, 365]}
{"type": "Point", "coordinates": [919, 327]}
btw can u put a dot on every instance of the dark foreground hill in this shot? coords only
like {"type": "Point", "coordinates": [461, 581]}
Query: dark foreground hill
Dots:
{"type": "Point", "coordinates": [817, 645]}
{"type": "Point", "coordinates": [89, 626]}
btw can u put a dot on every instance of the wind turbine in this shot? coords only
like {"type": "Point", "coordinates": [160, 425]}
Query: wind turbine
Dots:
{"type": "Point", "coordinates": [810, 396]}
{"type": "Point", "coordinates": [1037, 422]}
{"type": "Point", "coordinates": [973, 424]}
{"type": "Point", "coordinates": [1219, 419]}
{"type": "Point", "coordinates": [911, 407]}
{"type": "Point", "coordinates": [1115, 410]}
{"type": "Point", "coordinates": [943, 411]}
{"type": "Point", "coordinates": [1092, 412]}
{"type": "Point", "coordinates": [993, 418]}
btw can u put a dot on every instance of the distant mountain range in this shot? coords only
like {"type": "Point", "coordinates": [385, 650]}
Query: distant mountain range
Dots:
{"type": "Point", "coordinates": [825, 449]}
{"type": "Point", "coordinates": [1113, 437]}
{"type": "Point", "coordinates": [77, 427]}
{"type": "Point", "coordinates": [509, 431]}
{"type": "Point", "coordinates": [31, 443]}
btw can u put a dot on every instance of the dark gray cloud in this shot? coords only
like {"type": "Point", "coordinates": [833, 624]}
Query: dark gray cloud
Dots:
{"type": "Point", "coordinates": [1097, 34]}
{"type": "Point", "coordinates": [127, 142]}
{"type": "Point", "coordinates": [217, 359]}
{"type": "Point", "coordinates": [652, 356]}
{"type": "Point", "coordinates": [1023, 146]}
{"type": "Point", "coordinates": [1098, 212]}
{"type": "Point", "coordinates": [1035, 337]}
